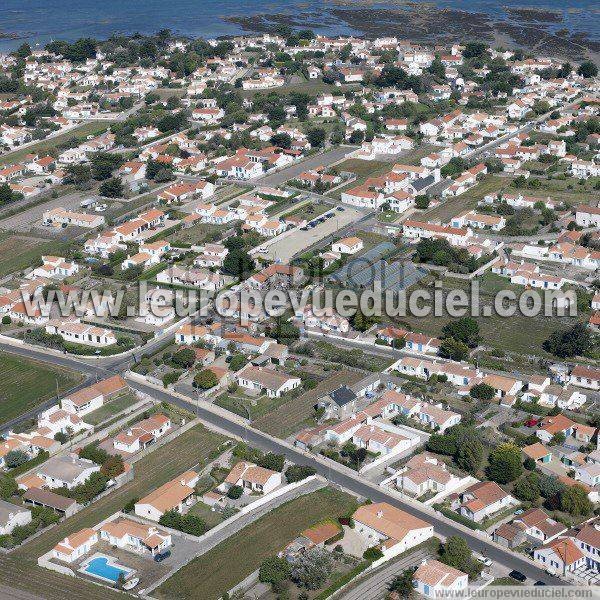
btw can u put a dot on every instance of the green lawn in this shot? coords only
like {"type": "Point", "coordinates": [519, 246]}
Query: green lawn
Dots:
{"type": "Point", "coordinates": [19, 569]}
{"type": "Point", "coordinates": [197, 234]}
{"type": "Point", "coordinates": [79, 133]}
{"type": "Point", "coordinates": [297, 413]}
{"type": "Point", "coordinates": [450, 207]}
{"type": "Point", "coordinates": [26, 383]}
{"type": "Point", "coordinates": [254, 407]}
{"type": "Point", "coordinates": [110, 409]}
{"type": "Point", "coordinates": [17, 252]}
{"type": "Point", "coordinates": [161, 465]}
{"type": "Point", "coordinates": [211, 518]}
{"type": "Point", "coordinates": [518, 333]}
{"type": "Point", "coordinates": [234, 559]}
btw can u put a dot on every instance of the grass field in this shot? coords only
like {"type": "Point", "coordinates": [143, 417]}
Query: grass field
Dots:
{"type": "Point", "coordinates": [234, 559]}
{"type": "Point", "coordinates": [453, 206]}
{"type": "Point", "coordinates": [197, 234]}
{"type": "Point", "coordinates": [17, 252]}
{"type": "Point", "coordinates": [81, 132]}
{"type": "Point", "coordinates": [296, 413]}
{"type": "Point", "coordinates": [20, 570]}
{"type": "Point", "coordinates": [110, 409]}
{"type": "Point", "coordinates": [26, 383]}
{"type": "Point", "coordinates": [518, 333]}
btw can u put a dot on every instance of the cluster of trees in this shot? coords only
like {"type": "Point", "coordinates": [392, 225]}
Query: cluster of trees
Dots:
{"type": "Point", "coordinates": [556, 495]}
{"type": "Point", "coordinates": [309, 570]}
{"type": "Point", "coordinates": [463, 443]}
{"type": "Point", "coordinates": [40, 517]}
{"type": "Point", "coordinates": [274, 462]}
{"type": "Point", "coordinates": [191, 524]}
{"type": "Point", "coordinates": [458, 337]}
{"type": "Point", "coordinates": [440, 252]}
{"type": "Point", "coordinates": [111, 464]}
{"type": "Point", "coordinates": [574, 341]}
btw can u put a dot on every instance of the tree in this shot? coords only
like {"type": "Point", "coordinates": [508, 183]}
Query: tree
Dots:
{"type": "Point", "coordinates": [237, 362]}
{"type": "Point", "coordinates": [184, 358]}
{"type": "Point", "coordinates": [235, 492]}
{"type": "Point", "coordinates": [422, 201]}
{"type": "Point", "coordinates": [205, 379]}
{"type": "Point", "coordinates": [527, 488]}
{"type": "Point", "coordinates": [372, 554]}
{"type": "Point", "coordinates": [565, 343]}
{"type": "Point", "coordinates": [557, 439]}
{"type": "Point", "coordinates": [469, 452]}
{"type": "Point", "coordinates": [238, 263]}
{"type": "Point", "coordinates": [464, 330]}
{"type": "Point", "coordinates": [529, 464]}
{"type": "Point", "coordinates": [454, 349]}
{"type": "Point", "coordinates": [456, 553]}
{"type": "Point", "coordinates": [8, 486]}
{"type": "Point", "coordinates": [403, 584]}
{"type": "Point", "coordinates": [285, 332]}
{"type": "Point", "coordinates": [274, 462]}
{"type": "Point", "coordinates": [587, 69]}
{"type": "Point", "coordinates": [15, 458]}
{"type": "Point", "coordinates": [282, 140]}
{"type": "Point", "coordinates": [113, 466]}
{"type": "Point", "coordinates": [274, 569]}
{"type": "Point", "coordinates": [299, 472]}
{"type": "Point", "coordinates": [505, 464]}
{"type": "Point", "coordinates": [312, 569]}
{"type": "Point", "coordinates": [575, 501]}
{"type": "Point", "coordinates": [111, 188]}
{"type": "Point", "coordinates": [316, 137]}
{"type": "Point", "coordinates": [120, 582]}
{"type": "Point", "coordinates": [441, 444]}
{"type": "Point", "coordinates": [482, 391]}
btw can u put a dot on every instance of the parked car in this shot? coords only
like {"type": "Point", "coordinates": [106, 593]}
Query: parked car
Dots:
{"type": "Point", "coordinates": [531, 423]}
{"type": "Point", "coordinates": [539, 583]}
{"type": "Point", "coordinates": [486, 561]}
{"type": "Point", "coordinates": [518, 576]}
{"type": "Point", "coordinates": [163, 556]}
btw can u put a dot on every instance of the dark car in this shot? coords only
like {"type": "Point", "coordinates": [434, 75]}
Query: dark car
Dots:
{"type": "Point", "coordinates": [539, 583]}
{"type": "Point", "coordinates": [518, 576]}
{"type": "Point", "coordinates": [341, 208]}
{"type": "Point", "coordinates": [162, 556]}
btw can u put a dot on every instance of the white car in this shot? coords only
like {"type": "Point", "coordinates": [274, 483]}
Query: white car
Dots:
{"type": "Point", "coordinates": [129, 585]}
{"type": "Point", "coordinates": [100, 208]}
{"type": "Point", "coordinates": [486, 561]}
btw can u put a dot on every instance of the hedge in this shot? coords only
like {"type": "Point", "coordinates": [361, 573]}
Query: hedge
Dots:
{"type": "Point", "coordinates": [456, 517]}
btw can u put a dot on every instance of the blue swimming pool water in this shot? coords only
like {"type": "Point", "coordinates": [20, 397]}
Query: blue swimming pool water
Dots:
{"type": "Point", "coordinates": [99, 566]}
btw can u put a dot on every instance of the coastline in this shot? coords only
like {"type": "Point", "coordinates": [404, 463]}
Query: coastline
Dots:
{"type": "Point", "coordinates": [527, 28]}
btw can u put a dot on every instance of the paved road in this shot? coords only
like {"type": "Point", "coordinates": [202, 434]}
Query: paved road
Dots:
{"type": "Point", "coordinates": [347, 479]}
{"type": "Point", "coordinates": [325, 158]}
{"type": "Point", "coordinates": [337, 474]}
{"type": "Point", "coordinates": [376, 585]}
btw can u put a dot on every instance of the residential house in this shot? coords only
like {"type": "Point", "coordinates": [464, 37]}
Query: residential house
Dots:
{"type": "Point", "coordinates": [390, 529]}
{"type": "Point", "coordinates": [264, 379]}
{"type": "Point", "coordinates": [434, 579]}
{"type": "Point", "coordinates": [482, 500]}
{"type": "Point", "coordinates": [252, 478]}
{"type": "Point", "coordinates": [172, 495]}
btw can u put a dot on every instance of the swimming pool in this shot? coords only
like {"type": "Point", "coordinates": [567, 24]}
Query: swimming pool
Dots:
{"type": "Point", "coordinates": [105, 567]}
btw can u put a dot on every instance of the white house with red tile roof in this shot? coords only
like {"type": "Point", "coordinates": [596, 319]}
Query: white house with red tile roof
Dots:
{"type": "Point", "coordinates": [252, 478]}
{"type": "Point", "coordinates": [482, 500]}
{"type": "Point", "coordinates": [434, 579]}
{"type": "Point", "coordinates": [142, 434]}
{"type": "Point", "coordinates": [173, 495]}
{"type": "Point", "coordinates": [390, 529]}
{"type": "Point", "coordinates": [560, 556]}
{"type": "Point", "coordinates": [76, 545]}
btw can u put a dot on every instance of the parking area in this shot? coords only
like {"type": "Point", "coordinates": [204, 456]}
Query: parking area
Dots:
{"type": "Point", "coordinates": [288, 246]}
